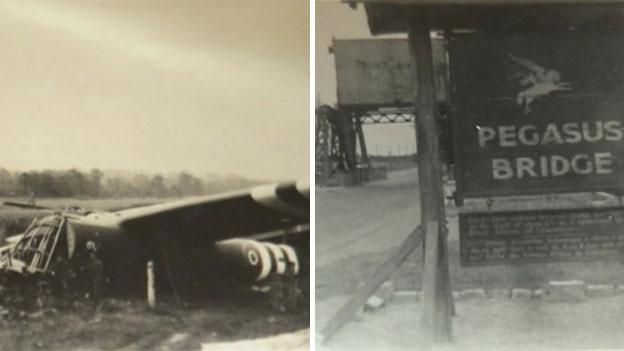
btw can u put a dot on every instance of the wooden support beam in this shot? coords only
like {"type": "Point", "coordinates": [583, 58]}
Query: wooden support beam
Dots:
{"type": "Point", "coordinates": [362, 140]}
{"type": "Point", "coordinates": [430, 178]}
{"type": "Point", "coordinates": [348, 311]}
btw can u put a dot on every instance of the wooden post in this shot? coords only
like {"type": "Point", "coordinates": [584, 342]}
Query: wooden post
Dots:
{"type": "Point", "coordinates": [430, 274]}
{"type": "Point", "coordinates": [438, 324]}
{"type": "Point", "coordinates": [151, 290]}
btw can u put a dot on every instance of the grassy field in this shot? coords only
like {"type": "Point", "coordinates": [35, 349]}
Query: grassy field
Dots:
{"type": "Point", "coordinates": [129, 325]}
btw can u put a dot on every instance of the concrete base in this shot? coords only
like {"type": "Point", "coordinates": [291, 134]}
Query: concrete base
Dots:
{"type": "Point", "coordinates": [382, 296]}
{"type": "Point", "coordinates": [521, 294]}
{"type": "Point", "coordinates": [538, 294]}
{"type": "Point", "coordinates": [500, 294]}
{"type": "Point", "coordinates": [565, 291]}
{"type": "Point", "coordinates": [374, 303]}
{"type": "Point", "coordinates": [472, 294]}
{"type": "Point", "coordinates": [385, 291]}
{"type": "Point", "coordinates": [410, 296]}
{"type": "Point", "coordinates": [599, 290]}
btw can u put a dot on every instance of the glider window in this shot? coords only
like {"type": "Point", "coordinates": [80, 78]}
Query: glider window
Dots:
{"type": "Point", "coordinates": [35, 249]}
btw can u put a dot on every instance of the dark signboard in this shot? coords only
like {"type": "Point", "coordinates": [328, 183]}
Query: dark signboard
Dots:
{"type": "Point", "coordinates": [538, 112]}
{"type": "Point", "coordinates": [540, 235]}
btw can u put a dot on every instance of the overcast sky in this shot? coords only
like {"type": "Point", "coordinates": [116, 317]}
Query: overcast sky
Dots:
{"type": "Point", "coordinates": [215, 86]}
{"type": "Point", "coordinates": [337, 20]}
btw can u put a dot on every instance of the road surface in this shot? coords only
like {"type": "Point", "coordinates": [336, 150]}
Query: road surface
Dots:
{"type": "Point", "coordinates": [370, 218]}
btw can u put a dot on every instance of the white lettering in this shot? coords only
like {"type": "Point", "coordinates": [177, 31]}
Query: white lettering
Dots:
{"type": "Point", "coordinates": [551, 135]}
{"type": "Point", "coordinates": [573, 135]}
{"type": "Point", "coordinates": [568, 133]}
{"type": "Point", "coordinates": [507, 136]}
{"type": "Point", "coordinates": [559, 165]}
{"type": "Point", "coordinates": [544, 164]}
{"type": "Point", "coordinates": [586, 132]}
{"type": "Point", "coordinates": [501, 168]}
{"type": "Point", "coordinates": [613, 131]}
{"type": "Point", "coordinates": [552, 166]}
{"type": "Point", "coordinates": [603, 163]}
{"type": "Point", "coordinates": [485, 134]}
{"type": "Point", "coordinates": [575, 164]}
{"type": "Point", "coordinates": [525, 164]}
{"type": "Point", "coordinates": [522, 135]}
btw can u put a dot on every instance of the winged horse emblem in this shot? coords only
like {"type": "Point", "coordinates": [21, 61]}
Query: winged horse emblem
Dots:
{"type": "Point", "coordinates": [539, 82]}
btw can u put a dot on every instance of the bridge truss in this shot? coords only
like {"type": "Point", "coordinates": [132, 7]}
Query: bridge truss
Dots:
{"type": "Point", "coordinates": [339, 132]}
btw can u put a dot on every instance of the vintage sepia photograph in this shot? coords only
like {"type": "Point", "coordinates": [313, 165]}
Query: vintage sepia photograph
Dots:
{"type": "Point", "coordinates": [154, 175]}
{"type": "Point", "coordinates": [469, 174]}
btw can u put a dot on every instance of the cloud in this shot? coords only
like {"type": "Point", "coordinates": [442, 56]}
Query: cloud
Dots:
{"type": "Point", "coordinates": [135, 85]}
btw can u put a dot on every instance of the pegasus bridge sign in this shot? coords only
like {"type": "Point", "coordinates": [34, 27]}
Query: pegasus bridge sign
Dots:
{"type": "Point", "coordinates": [538, 112]}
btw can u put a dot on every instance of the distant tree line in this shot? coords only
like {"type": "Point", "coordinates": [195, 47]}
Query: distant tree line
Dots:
{"type": "Point", "coordinates": [96, 183]}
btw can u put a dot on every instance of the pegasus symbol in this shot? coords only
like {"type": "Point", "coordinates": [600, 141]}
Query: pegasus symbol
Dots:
{"type": "Point", "coordinates": [539, 82]}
